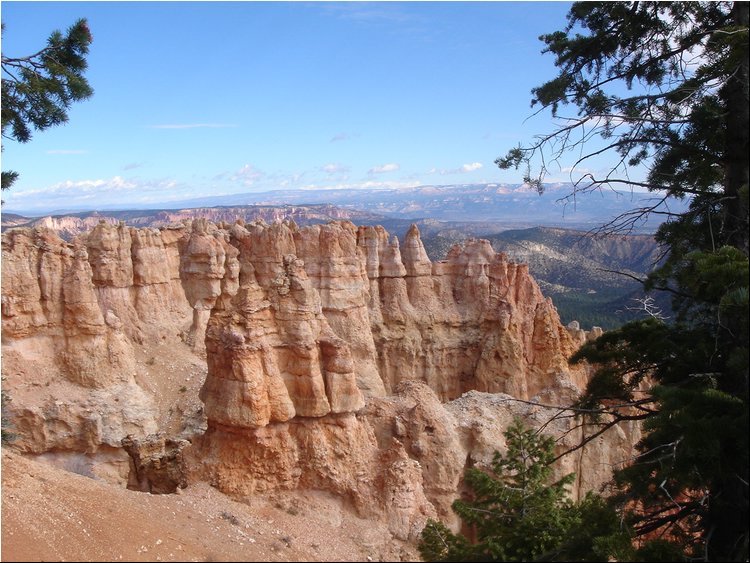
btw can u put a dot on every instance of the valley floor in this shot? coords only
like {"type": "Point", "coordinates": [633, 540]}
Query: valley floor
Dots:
{"type": "Point", "coordinates": [53, 515]}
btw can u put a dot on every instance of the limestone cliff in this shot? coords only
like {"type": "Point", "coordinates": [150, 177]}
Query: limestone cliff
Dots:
{"type": "Point", "coordinates": [474, 321]}
{"type": "Point", "coordinates": [337, 357]}
{"type": "Point", "coordinates": [72, 316]}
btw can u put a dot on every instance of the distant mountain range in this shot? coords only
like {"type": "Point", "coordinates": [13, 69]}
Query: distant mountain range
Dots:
{"type": "Point", "coordinates": [512, 205]}
{"type": "Point", "coordinates": [516, 205]}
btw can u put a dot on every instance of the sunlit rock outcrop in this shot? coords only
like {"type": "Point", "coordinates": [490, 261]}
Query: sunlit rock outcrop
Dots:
{"type": "Point", "coordinates": [338, 358]}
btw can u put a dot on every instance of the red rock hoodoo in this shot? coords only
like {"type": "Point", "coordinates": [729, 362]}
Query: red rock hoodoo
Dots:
{"type": "Point", "coordinates": [337, 358]}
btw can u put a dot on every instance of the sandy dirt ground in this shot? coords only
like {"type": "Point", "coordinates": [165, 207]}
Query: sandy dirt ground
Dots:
{"type": "Point", "coordinates": [49, 514]}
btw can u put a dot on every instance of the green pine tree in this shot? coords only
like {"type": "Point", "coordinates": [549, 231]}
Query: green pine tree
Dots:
{"type": "Point", "coordinates": [664, 86]}
{"type": "Point", "coordinates": [516, 513]}
{"type": "Point", "coordinates": [689, 483]}
{"type": "Point", "coordinates": [38, 89]}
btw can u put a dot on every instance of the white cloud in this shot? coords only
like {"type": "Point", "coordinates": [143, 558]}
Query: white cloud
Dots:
{"type": "Point", "coordinates": [390, 167]}
{"type": "Point", "coordinates": [193, 126]}
{"type": "Point", "coordinates": [290, 181]}
{"type": "Point", "coordinates": [576, 170]}
{"type": "Point", "coordinates": [116, 190]}
{"type": "Point", "coordinates": [67, 151]}
{"type": "Point", "coordinates": [465, 169]}
{"type": "Point", "coordinates": [74, 188]}
{"type": "Point", "coordinates": [334, 168]}
{"type": "Point", "coordinates": [250, 176]}
{"type": "Point", "coordinates": [247, 175]}
{"type": "Point", "coordinates": [470, 167]}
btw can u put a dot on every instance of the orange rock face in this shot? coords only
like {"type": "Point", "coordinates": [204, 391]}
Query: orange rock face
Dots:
{"type": "Point", "coordinates": [338, 358]}
{"type": "Point", "coordinates": [473, 321]}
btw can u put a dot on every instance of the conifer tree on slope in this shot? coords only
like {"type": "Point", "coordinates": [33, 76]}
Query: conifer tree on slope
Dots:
{"type": "Point", "coordinates": [38, 89]}
{"type": "Point", "coordinates": [516, 513]}
{"type": "Point", "coordinates": [664, 86]}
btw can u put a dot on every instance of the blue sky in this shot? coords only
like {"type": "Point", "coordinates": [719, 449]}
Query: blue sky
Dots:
{"type": "Point", "coordinates": [211, 98]}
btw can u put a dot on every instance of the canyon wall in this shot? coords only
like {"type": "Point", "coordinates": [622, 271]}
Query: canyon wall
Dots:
{"type": "Point", "coordinates": [73, 318]}
{"type": "Point", "coordinates": [337, 358]}
{"type": "Point", "coordinates": [291, 337]}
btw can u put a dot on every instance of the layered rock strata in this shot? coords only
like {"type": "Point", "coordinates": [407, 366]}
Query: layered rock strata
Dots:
{"type": "Point", "coordinates": [402, 458]}
{"type": "Point", "coordinates": [73, 316]}
{"type": "Point", "coordinates": [291, 337]}
{"type": "Point", "coordinates": [338, 358]}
